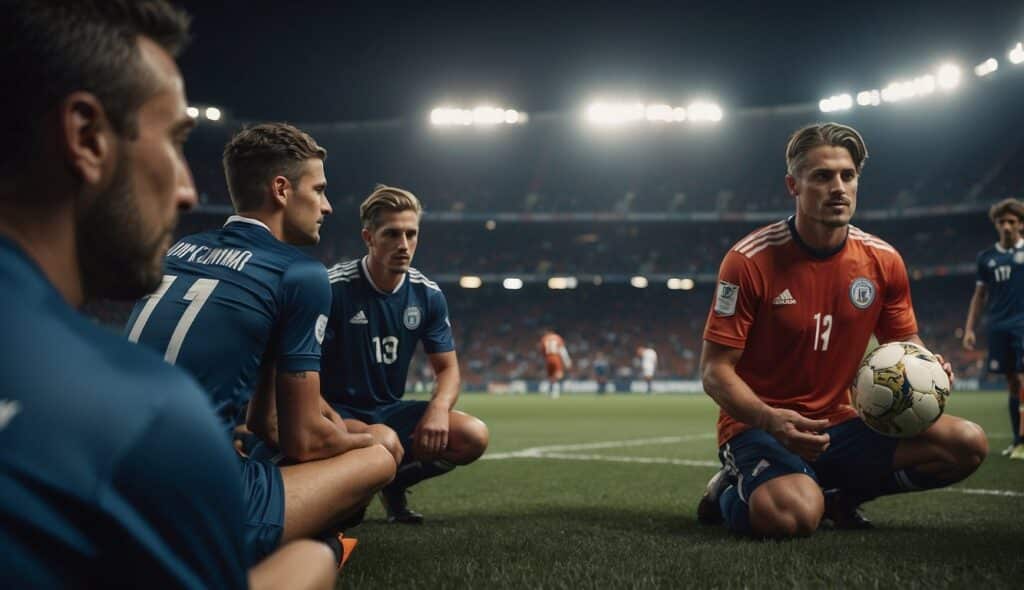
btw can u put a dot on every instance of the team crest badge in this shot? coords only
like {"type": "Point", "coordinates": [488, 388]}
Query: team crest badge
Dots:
{"type": "Point", "coordinates": [320, 330]}
{"type": "Point", "coordinates": [1018, 257]}
{"type": "Point", "coordinates": [862, 293]}
{"type": "Point", "coordinates": [411, 318]}
{"type": "Point", "coordinates": [991, 263]}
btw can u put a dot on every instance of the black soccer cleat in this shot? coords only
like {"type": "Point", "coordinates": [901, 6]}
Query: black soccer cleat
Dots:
{"type": "Point", "coordinates": [708, 511]}
{"type": "Point", "coordinates": [844, 514]}
{"type": "Point", "coordinates": [353, 520]}
{"type": "Point", "coordinates": [397, 507]}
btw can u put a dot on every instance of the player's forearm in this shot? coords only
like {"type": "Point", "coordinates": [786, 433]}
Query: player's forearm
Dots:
{"type": "Point", "coordinates": [733, 395]}
{"type": "Point", "coordinates": [446, 391]}
{"type": "Point", "coordinates": [974, 311]}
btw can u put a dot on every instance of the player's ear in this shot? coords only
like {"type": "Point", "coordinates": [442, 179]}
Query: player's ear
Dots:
{"type": "Point", "coordinates": [791, 185]}
{"type": "Point", "coordinates": [280, 190]}
{"type": "Point", "coordinates": [367, 236]}
{"type": "Point", "coordinates": [86, 136]}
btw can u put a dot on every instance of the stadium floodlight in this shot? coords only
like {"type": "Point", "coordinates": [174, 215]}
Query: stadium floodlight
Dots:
{"type": "Point", "coordinates": [606, 114]}
{"type": "Point", "coordinates": [483, 115]}
{"type": "Point", "coordinates": [512, 284]}
{"type": "Point", "coordinates": [213, 113]}
{"type": "Point", "coordinates": [986, 67]}
{"type": "Point", "coordinates": [560, 283]}
{"type": "Point", "coordinates": [947, 76]}
{"type": "Point", "coordinates": [701, 112]}
{"type": "Point", "coordinates": [192, 112]}
{"type": "Point", "coordinates": [490, 224]}
{"type": "Point", "coordinates": [663, 113]}
{"type": "Point", "coordinates": [869, 98]}
{"type": "Point", "coordinates": [470, 282]}
{"type": "Point", "coordinates": [837, 102]}
{"type": "Point", "coordinates": [686, 284]}
{"type": "Point", "coordinates": [639, 282]}
{"type": "Point", "coordinates": [1016, 54]}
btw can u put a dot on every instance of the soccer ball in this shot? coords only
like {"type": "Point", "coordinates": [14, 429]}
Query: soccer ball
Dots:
{"type": "Point", "coordinates": [900, 389]}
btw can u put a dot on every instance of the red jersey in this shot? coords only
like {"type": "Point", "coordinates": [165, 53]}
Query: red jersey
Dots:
{"type": "Point", "coordinates": [553, 348]}
{"type": "Point", "coordinates": [803, 320]}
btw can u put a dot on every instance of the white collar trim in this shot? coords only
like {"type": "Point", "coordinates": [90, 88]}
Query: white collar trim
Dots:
{"type": "Point", "coordinates": [1017, 246]}
{"type": "Point", "coordinates": [369, 279]}
{"type": "Point", "coordinates": [242, 219]}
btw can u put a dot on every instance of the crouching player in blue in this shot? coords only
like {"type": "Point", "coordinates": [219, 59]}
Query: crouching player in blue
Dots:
{"type": "Point", "coordinates": [382, 308]}
{"type": "Point", "coordinates": [244, 310]}
{"type": "Point", "coordinates": [114, 472]}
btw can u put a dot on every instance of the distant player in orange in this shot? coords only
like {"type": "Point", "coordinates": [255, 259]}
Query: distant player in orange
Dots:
{"type": "Point", "coordinates": [796, 304]}
{"type": "Point", "coordinates": [556, 360]}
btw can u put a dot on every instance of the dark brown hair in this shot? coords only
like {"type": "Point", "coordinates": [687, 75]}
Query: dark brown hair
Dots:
{"type": "Point", "coordinates": [256, 155]}
{"type": "Point", "coordinates": [1008, 206]}
{"type": "Point", "coordinates": [807, 138]}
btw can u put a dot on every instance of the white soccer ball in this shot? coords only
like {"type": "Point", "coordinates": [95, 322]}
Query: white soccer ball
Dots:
{"type": "Point", "coordinates": [900, 389]}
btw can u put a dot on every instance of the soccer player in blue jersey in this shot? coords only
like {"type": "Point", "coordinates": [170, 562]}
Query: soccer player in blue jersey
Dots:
{"type": "Point", "coordinates": [1000, 286]}
{"type": "Point", "coordinates": [244, 310]}
{"type": "Point", "coordinates": [114, 472]}
{"type": "Point", "coordinates": [383, 308]}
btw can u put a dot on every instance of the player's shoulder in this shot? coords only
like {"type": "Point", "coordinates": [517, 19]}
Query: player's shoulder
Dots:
{"type": "Point", "coordinates": [761, 240]}
{"type": "Point", "coordinates": [989, 252]}
{"type": "Point", "coordinates": [418, 278]}
{"type": "Point", "coordinates": [345, 273]}
{"type": "Point", "coordinates": [871, 242]}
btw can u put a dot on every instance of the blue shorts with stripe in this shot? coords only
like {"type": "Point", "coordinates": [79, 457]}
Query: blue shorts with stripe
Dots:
{"type": "Point", "coordinates": [264, 504]}
{"type": "Point", "coordinates": [401, 416]}
{"type": "Point", "coordinates": [857, 460]}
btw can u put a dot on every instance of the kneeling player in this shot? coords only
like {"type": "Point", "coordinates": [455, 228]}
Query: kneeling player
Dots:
{"type": "Point", "coordinates": [796, 305]}
{"type": "Point", "coordinates": [382, 308]}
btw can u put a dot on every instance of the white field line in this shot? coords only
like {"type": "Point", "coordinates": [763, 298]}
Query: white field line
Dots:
{"type": "Point", "coordinates": [556, 452]}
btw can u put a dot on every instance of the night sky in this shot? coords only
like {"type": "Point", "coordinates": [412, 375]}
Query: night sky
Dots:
{"type": "Point", "coordinates": [352, 61]}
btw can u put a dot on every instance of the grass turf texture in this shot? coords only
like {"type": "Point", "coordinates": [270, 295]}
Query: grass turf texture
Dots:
{"type": "Point", "coordinates": [534, 522]}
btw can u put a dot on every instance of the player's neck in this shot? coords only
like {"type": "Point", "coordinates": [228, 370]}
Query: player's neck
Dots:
{"type": "Point", "coordinates": [49, 240]}
{"type": "Point", "coordinates": [819, 236]}
{"type": "Point", "coordinates": [273, 220]}
{"type": "Point", "coordinates": [1010, 242]}
{"type": "Point", "coordinates": [385, 280]}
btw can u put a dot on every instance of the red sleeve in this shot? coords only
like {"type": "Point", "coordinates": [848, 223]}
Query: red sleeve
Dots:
{"type": "Point", "coordinates": [737, 297]}
{"type": "Point", "coordinates": [897, 320]}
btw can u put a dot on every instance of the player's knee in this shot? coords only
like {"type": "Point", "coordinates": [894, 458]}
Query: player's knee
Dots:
{"type": "Point", "coordinates": [384, 435]}
{"type": "Point", "coordinates": [474, 438]}
{"type": "Point", "coordinates": [971, 446]}
{"type": "Point", "coordinates": [378, 465]}
{"type": "Point", "coordinates": [792, 511]}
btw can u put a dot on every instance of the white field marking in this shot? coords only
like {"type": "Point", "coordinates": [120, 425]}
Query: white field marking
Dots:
{"type": "Point", "coordinates": [611, 444]}
{"type": "Point", "coordinates": [618, 459]}
{"type": "Point", "coordinates": [980, 492]}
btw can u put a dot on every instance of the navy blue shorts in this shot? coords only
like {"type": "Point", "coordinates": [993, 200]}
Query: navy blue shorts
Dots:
{"type": "Point", "coordinates": [858, 460]}
{"type": "Point", "coordinates": [264, 508]}
{"type": "Point", "coordinates": [1006, 351]}
{"type": "Point", "coordinates": [400, 416]}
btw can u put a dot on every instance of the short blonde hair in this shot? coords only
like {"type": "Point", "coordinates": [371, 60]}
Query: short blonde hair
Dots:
{"type": "Point", "coordinates": [387, 198]}
{"type": "Point", "coordinates": [807, 138]}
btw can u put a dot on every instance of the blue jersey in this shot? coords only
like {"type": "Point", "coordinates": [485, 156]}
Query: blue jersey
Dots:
{"type": "Point", "coordinates": [1001, 270]}
{"type": "Point", "coordinates": [231, 299]}
{"type": "Point", "coordinates": [372, 335]}
{"type": "Point", "coordinates": [113, 469]}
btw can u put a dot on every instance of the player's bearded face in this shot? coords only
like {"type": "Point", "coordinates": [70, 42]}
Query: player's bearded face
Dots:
{"type": "Point", "coordinates": [826, 186]}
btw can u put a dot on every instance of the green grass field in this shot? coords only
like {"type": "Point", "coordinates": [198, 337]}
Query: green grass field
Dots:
{"type": "Point", "coordinates": [561, 502]}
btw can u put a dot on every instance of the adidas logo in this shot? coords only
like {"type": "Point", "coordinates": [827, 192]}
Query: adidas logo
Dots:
{"type": "Point", "coordinates": [359, 318]}
{"type": "Point", "coordinates": [784, 298]}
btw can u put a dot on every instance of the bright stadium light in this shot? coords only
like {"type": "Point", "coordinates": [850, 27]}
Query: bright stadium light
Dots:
{"type": "Point", "coordinates": [470, 282]}
{"type": "Point", "coordinates": [192, 112]}
{"type": "Point", "coordinates": [213, 113]}
{"type": "Point", "coordinates": [686, 284]}
{"type": "Point", "coordinates": [869, 98]}
{"type": "Point", "coordinates": [837, 102]}
{"type": "Point", "coordinates": [639, 282]}
{"type": "Point", "coordinates": [607, 114]}
{"type": "Point", "coordinates": [483, 115]}
{"type": "Point", "coordinates": [1016, 54]}
{"type": "Point", "coordinates": [947, 76]}
{"type": "Point", "coordinates": [512, 283]}
{"type": "Point", "coordinates": [560, 283]}
{"type": "Point", "coordinates": [986, 67]}
{"type": "Point", "coordinates": [704, 112]}
{"type": "Point", "coordinates": [490, 224]}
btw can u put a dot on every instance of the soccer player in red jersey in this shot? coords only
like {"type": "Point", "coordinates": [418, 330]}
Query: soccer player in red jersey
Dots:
{"type": "Point", "coordinates": [556, 360]}
{"type": "Point", "coordinates": [796, 305]}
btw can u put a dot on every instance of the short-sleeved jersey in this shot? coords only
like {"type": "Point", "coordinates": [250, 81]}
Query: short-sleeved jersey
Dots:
{"type": "Point", "coordinates": [232, 298]}
{"type": "Point", "coordinates": [804, 319]}
{"type": "Point", "coordinates": [372, 335]}
{"type": "Point", "coordinates": [552, 346]}
{"type": "Point", "coordinates": [114, 472]}
{"type": "Point", "coordinates": [1001, 270]}
{"type": "Point", "coordinates": [648, 357]}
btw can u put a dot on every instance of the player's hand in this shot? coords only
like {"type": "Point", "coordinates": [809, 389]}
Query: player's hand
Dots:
{"type": "Point", "coordinates": [947, 367]}
{"type": "Point", "coordinates": [430, 438]}
{"type": "Point", "coordinates": [969, 339]}
{"type": "Point", "coordinates": [797, 433]}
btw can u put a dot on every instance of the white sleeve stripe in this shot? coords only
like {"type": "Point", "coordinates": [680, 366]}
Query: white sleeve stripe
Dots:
{"type": "Point", "coordinates": [768, 228]}
{"type": "Point", "coordinates": [761, 239]}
